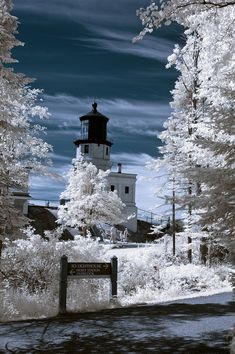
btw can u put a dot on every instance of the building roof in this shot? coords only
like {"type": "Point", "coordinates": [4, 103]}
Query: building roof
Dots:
{"type": "Point", "coordinates": [93, 113]}
{"type": "Point", "coordinates": [123, 174]}
{"type": "Point", "coordinates": [21, 194]}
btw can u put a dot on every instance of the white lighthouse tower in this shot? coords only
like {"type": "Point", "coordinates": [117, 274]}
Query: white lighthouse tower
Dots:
{"type": "Point", "coordinates": [95, 147]}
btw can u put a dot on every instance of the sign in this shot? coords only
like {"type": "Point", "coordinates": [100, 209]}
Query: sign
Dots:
{"type": "Point", "coordinates": [86, 270]}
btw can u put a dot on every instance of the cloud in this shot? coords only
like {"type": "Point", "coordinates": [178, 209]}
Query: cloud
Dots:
{"type": "Point", "coordinates": [112, 25]}
{"type": "Point", "coordinates": [121, 42]}
{"type": "Point", "coordinates": [148, 181]}
{"type": "Point", "coordinates": [131, 159]}
{"type": "Point", "coordinates": [45, 188]}
{"type": "Point", "coordinates": [147, 185]}
{"type": "Point", "coordinates": [128, 118]}
{"type": "Point", "coordinates": [59, 158]}
{"type": "Point", "coordinates": [106, 11]}
{"type": "Point", "coordinates": [137, 117]}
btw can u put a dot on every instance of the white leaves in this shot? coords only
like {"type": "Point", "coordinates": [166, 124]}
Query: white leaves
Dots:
{"type": "Point", "coordinates": [199, 138]}
{"type": "Point", "coordinates": [20, 150]}
{"type": "Point", "coordinates": [41, 112]}
{"type": "Point", "coordinates": [88, 199]}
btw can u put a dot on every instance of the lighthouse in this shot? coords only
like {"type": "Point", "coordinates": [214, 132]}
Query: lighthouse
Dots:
{"type": "Point", "coordinates": [95, 147]}
{"type": "Point", "coordinates": [93, 143]}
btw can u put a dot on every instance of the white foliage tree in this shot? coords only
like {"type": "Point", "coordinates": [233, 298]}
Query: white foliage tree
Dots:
{"type": "Point", "coordinates": [200, 134]}
{"type": "Point", "coordinates": [88, 200]}
{"type": "Point", "coordinates": [181, 11]}
{"type": "Point", "coordinates": [21, 149]}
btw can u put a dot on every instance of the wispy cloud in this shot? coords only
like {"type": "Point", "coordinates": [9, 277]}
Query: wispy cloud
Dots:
{"type": "Point", "coordinates": [138, 117]}
{"type": "Point", "coordinates": [45, 188]}
{"type": "Point", "coordinates": [131, 159]}
{"type": "Point", "coordinates": [59, 158]}
{"type": "Point", "coordinates": [112, 25]}
{"type": "Point", "coordinates": [106, 11]}
{"type": "Point", "coordinates": [121, 42]}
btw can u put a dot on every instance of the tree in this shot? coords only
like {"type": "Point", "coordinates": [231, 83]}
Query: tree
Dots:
{"type": "Point", "coordinates": [87, 198]}
{"type": "Point", "coordinates": [199, 140]}
{"type": "Point", "coordinates": [215, 134]}
{"type": "Point", "coordinates": [21, 149]}
{"type": "Point", "coordinates": [180, 11]}
{"type": "Point", "coordinates": [179, 153]}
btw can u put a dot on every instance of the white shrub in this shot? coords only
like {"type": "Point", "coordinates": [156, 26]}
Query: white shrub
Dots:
{"type": "Point", "coordinates": [149, 276]}
{"type": "Point", "coordinates": [29, 275]}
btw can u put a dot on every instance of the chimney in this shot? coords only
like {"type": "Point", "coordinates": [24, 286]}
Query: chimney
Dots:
{"type": "Point", "coordinates": [119, 167]}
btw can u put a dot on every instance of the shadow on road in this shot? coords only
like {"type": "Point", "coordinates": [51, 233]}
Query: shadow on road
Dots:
{"type": "Point", "coordinates": [168, 328]}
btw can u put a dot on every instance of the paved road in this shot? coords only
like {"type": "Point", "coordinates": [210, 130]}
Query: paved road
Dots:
{"type": "Point", "coordinates": [188, 326]}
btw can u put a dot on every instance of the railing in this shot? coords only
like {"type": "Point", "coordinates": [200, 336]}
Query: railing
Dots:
{"type": "Point", "coordinates": [144, 215]}
{"type": "Point", "coordinates": [150, 217]}
{"type": "Point", "coordinates": [49, 203]}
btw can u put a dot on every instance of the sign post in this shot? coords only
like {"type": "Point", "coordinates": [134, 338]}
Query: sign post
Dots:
{"type": "Point", "coordinates": [63, 284]}
{"type": "Point", "coordinates": [114, 267]}
{"type": "Point", "coordinates": [84, 271]}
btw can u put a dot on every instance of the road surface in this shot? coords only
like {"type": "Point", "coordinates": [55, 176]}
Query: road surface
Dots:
{"type": "Point", "coordinates": [192, 326]}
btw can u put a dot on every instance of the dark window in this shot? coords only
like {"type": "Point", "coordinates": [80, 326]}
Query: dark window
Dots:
{"type": "Point", "coordinates": [107, 151]}
{"type": "Point", "coordinates": [86, 149]}
{"type": "Point", "coordinates": [127, 190]}
{"type": "Point", "coordinates": [112, 187]}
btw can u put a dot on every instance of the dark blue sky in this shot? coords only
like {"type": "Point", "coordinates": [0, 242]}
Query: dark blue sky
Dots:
{"type": "Point", "coordinates": [81, 50]}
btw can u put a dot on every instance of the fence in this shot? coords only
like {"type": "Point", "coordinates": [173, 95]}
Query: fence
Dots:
{"type": "Point", "coordinates": [152, 218]}
{"type": "Point", "coordinates": [52, 203]}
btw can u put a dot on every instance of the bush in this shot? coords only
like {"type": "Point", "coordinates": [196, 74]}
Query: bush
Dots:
{"type": "Point", "coordinates": [29, 274]}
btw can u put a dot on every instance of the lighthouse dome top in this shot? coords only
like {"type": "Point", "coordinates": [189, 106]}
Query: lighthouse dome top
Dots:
{"type": "Point", "coordinates": [94, 113]}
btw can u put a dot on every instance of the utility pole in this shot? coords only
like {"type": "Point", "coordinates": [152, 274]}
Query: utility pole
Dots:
{"type": "Point", "coordinates": [190, 217]}
{"type": "Point", "coordinates": [173, 217]}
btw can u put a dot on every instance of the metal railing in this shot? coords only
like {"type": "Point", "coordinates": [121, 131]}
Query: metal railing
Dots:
{"type": "Point", "coordinates": [49, 203]}
{"type": "Point", "coordinates": [144, 215]}
{"type": "Point", "coordinates": [150, 217]}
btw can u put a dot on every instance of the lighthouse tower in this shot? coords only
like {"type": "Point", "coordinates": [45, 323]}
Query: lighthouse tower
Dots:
{"type": "Point", "coordinates": [93, 143]}
{"type": "Point", "coordinates": [95, 147]}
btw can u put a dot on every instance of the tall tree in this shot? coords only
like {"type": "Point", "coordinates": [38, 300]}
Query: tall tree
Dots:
{"type": "Point", "coordinates": [21, 149]}
{"type": "Point", "coordinates": [87, 198]}
{"type": "Point", "coordinates": [200, 134]}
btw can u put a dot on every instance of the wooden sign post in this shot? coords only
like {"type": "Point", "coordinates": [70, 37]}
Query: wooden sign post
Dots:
{"type": "Point", "coordinates": [83, 271]}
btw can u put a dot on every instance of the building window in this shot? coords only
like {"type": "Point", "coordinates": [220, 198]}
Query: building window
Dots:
{"type": "Point", "coordinates": [86, 149]}
{"type": "Point", "coordinates": [107, 150]}
{"type": "Point", "coordinates": [112, 188]}
{"type": "Point", "coordinates": [84, 129]}
{"type": "Point", "coordinates": [126, 190]}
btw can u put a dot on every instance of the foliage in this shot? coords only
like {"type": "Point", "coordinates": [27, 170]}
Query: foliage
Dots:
{"type": "Point", "coordinates": [88, 200]}
{"type": "Point", "coordinates": [199, 138]}
{"type": "Point", "coordinates": [36, 260]}
{"type": "Point", "coordinates": [154, 274]}
{"type": "Point", "coordinates": [21, 149]}
{"type": "Point", "coordinates": [180, 11]}
{"type": "Point", "coordinates": [29, 275]}
{"type": "Point", "coordinates": [30, 271]}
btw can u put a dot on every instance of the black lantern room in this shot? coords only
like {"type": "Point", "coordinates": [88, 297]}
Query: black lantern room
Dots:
{"type": "Point", "coordinates": [93, 128]}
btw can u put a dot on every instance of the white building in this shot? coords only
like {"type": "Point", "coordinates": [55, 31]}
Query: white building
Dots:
{"type": "Point", "coordinates": [21, 201]}
{"type": "Point", "coordinates": [21, 196]}
{"type": "Point", "coordinates": [95, 147]}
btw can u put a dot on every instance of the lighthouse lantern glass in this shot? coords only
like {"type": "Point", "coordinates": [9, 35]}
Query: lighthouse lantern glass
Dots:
{"type": "Point", "coordinates": [84, 129]}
